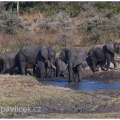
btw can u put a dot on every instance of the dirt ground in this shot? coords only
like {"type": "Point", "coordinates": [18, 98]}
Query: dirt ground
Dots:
{"type": "Point", "coordinates": [55, 102]}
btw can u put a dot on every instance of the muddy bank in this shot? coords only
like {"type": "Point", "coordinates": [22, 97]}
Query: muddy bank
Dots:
{"type": "Point", "coordinates": [88, 73]}
{"type": "Point", "coordinates": [91, 102]}
{"type": "Point", "coordinates": [111, 73]}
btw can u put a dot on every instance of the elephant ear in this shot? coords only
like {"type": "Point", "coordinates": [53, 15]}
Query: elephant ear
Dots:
{"type": "Point", "coordinates": [110, 46]}
{"type": "Point", "coordinates": [64, 55]}
{"type": "Point", "coordinates": [51, 51]}
{"type": "Point", "coordinates": [80, 57]}
{"type": "Point", "coordinates": [44, 52]}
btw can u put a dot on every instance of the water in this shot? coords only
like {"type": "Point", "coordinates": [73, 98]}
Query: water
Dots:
{"type": "Point", "coordinates": [87, 84]}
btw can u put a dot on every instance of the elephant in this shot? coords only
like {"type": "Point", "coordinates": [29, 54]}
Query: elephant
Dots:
{"type": "Point", "coordinates": [104, 53]}
{"type": "Point", "coordinates": [61, 68]}
{"type": "Point", "coordinates": [36, 55]}
{"type": "Point", "coordinates": [8, 61]}
{"type": "Point", "coordinates": [99, 64]}
{"type": "Point", "coordinates": [74, 58]}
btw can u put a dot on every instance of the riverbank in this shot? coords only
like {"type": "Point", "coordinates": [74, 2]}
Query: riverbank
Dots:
{"type": "Point", "coordinates": [24, 91]}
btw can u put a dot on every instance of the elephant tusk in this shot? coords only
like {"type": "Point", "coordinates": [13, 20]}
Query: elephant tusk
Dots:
{"type": "Point", "coordinates": [53, 66]}
{"type": "Point", "coordinates": [74, 65]}
{"type": "Point", "coordinates": [66, 66]}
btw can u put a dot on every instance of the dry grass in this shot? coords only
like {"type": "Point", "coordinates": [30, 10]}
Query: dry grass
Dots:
{"type": "Point", "coordinates": [17, 89]}
{"type": "Point", "coordinates": [76, 116]}
{"type": "Point", "coordinates": [23, 90]}
{"type": "Point", "coordinates": [26, 90]}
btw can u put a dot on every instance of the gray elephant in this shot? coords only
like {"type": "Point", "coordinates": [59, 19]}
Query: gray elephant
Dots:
{"type": "Point", "coordinates": [36, 55]}
{"type": "Point", "coordinates": [61, 68]}
{"type": "Point", "coordinates": [74, 58]}
{"type": "Point", "coordinates": [8, 61]}
{"type": "Point", "coordinates": [105, 53]}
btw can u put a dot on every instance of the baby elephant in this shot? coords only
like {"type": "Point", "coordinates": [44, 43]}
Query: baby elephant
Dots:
{"type": "Point", "coordinates": [61, 68]}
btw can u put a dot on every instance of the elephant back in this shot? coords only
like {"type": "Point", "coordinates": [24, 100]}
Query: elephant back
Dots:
{"type": "Point", "coordinates": [79, 55]}
{"type": "Point", "coordinates": [97, 52]}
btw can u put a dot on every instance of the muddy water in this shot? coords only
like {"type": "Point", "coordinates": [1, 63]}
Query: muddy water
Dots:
{"type": "Point", "coordinates": [87, 84]}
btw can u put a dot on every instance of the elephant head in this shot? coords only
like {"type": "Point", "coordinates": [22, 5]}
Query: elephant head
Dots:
{"type": "Point", "coordinates": [113, 47]}
{"type": "Point", "coordinates": [48, 54]}
{"type": "Point", "coordinates": [75, 55]}
{"type": "Point", "coordinates": [64, 55]}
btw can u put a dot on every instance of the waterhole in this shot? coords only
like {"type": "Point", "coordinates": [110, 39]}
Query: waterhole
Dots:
{"type": "Point", "coordinates": [86, 84]}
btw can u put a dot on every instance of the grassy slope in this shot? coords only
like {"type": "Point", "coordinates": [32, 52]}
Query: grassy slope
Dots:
{"type": "Point", "coordinates": [61, 25]}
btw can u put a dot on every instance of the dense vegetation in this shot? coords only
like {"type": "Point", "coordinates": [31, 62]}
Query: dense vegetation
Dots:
{"type": "Point", "coordinates": [58, 24]}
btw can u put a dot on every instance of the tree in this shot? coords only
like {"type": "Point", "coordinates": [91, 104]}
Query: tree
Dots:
{"type": "Point", "coordinates": [18, 7]}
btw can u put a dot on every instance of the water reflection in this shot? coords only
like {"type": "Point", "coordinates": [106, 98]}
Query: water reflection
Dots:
{"type": "Point", "coordinates": [87, 84]}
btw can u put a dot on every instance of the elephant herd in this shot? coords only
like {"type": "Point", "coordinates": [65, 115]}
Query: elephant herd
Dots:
{"type": "Point", "coordinates": [69, 60]}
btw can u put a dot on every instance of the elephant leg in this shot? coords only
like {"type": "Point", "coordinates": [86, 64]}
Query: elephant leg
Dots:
{"type": "Point", "coordinates": [3, 71]}
{"type": "Point", "coordinates": [53, 71]}
{"type": "Point", "coordinates": [74, 73]}
{"type": "Point", "coordinates": [97, 67]}
{"type": "Point", "coordinates": [41, 66]}
{"type": "Point", "coordinates": [103, 65]}
{"type": "Point", "coordinates": [58, 72]}
{"type": "Point", "coordinates": [75, 76]}
{"type": "Point", "coordinates": [70, 70]}
{"type": "Point", "coordinates": [23, 68]}
{"type": "Point", "coordinates": [5, 68]}
{"type": "Point", "coordinates": [113, 61]}
{"type": "Point", "coordinates": [48, 73]}
{"type": "Point", "coordinates": [64, 74]}
{"type": "Point", "coordinates": [94, 62]}
{"type": "Point", "coordinates": [79, 74]}
{"type": "Point", "coordinates": [108, 57]}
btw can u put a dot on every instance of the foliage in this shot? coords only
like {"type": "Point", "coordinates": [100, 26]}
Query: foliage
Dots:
{"type": "Point", "coordinates": [54, 23]}
{"type": "Point", "coordinates": [9, 22]}
{"type": "Point", "coordinates": [107, 5]}
{"type": "Point", "coordinates": [103, 5]}
{"type": "Point", "coordinates": [51, 8]}
{"type": "Point", "coordinates": [98, 29]}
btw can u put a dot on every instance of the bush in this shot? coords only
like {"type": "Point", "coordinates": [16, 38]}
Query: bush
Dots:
{"type": "Point", "coordinates": [9, 22]}
{"type": "Point", "coordinates": [97, 28]}
{"type": "Point", "coordinates": [103, 5]}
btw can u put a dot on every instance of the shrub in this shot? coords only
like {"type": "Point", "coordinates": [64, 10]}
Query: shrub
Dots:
{"type": "Point", "coordinates": [97, 28]}
{"type": "Point", "coordinates": [9, 22]}
{"type": "Point", "coordinates": [103, 5]}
